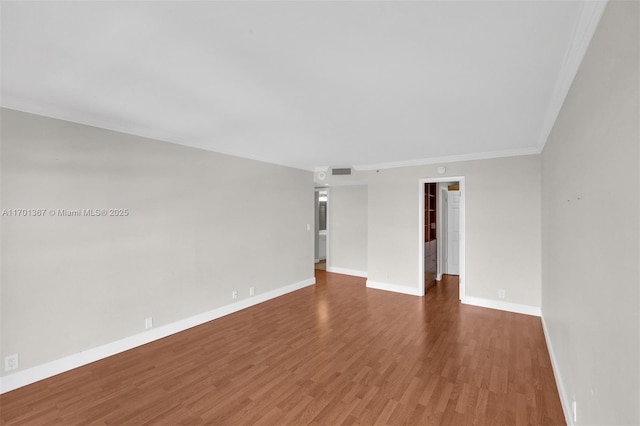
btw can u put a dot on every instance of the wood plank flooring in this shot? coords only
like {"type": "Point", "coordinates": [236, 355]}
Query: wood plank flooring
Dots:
{"type": "Point", "coordinates": [333, 353]}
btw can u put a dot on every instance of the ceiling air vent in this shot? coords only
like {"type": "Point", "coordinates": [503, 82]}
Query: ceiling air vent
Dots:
{"type": "Point", "coordinates": [341, 172]}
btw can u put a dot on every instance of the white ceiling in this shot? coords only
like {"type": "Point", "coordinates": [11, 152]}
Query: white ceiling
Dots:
{"type": "Point", "coordinates": [305, 84]}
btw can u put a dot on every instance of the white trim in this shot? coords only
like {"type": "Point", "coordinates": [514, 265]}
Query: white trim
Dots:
{"type": "Point", "coordinates": [462, 285]}
{"type": "Point", "coordinates": [347, 271]}
{"type": "Point", "coordinates": [394, 288]}
{"type": "Point", "coordinates": [564, 398]}
{"type": "Point", "coordinates": [327, 254]}
{"type": "Point", "coordinates": [43, 371]}
{"type": "Point", "coordinates": [582, 35]}
{"type": "Point", "coordinates": [449, 159]}
{"type": "Point", "coordinates": [463, 195]}
{"type": "Point", "coordinates": [421, 237]}
{"type": "Point", "coordinates": [502, 306]}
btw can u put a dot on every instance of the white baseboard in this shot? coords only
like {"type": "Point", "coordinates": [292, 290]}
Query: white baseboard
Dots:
{"type": "Point", "coordinates": [564, 398]}
{"type": "Point", "coordinates": [49, 369]}
{"type": "Point", "coordinates": [347, 271]}
{"type": "Point", "coordinates": [502, 306]}
{"type": "Point", "coordinates": [395, 288]}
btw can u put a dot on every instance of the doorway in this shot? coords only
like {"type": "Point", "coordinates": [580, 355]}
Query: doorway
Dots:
{"type": "Point", "coordinates": [321, 228]}
{"type": "Point", "coordinates": [441, 231]}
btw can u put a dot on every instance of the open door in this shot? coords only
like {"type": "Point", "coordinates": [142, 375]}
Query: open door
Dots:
{"type": "Point", "coordinates": [449, 246]}
{"type": "Point", "coordinates": [452, 231]}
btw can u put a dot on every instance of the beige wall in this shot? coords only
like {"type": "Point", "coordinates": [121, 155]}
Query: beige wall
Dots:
{"type": "Point", "coordinates": [200, 225]}
{"type": "Point", "coordinates": [348, 230]}
{"type": "Point", "coordinates": [591, 278]}
{"type": "Point", "coordinates": [502, 226]}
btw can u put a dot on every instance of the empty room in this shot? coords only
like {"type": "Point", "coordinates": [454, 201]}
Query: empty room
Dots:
{"type": "Point", "coordinates": [320, 212]}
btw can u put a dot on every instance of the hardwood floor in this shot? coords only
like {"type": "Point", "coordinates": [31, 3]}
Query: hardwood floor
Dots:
{"type": "Point", "coordinates": [333, 353]}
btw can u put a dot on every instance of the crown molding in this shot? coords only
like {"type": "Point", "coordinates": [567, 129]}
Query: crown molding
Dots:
{"type": "Point", "coordinates": [582, 35]}
{"type": "Point", "coordinates": [449, 159]}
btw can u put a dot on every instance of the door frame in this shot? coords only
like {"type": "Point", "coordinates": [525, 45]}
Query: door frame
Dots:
{"type": "Point", "coordinates": [316, 237]}
{"type": "Point", "coordinates": [463, 196]}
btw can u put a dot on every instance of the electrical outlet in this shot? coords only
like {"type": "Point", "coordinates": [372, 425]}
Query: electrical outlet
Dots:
{"type": "Point", "coordinates": [11, 362]}
{"type": "Point", "coordinates": [148, 323]}
{"type": "Point", "coordinates": [252, 291]}
{"type": "Point", "coordinates": [502, 293]}
{"type": "Point", "coordinates": [234, 294]}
